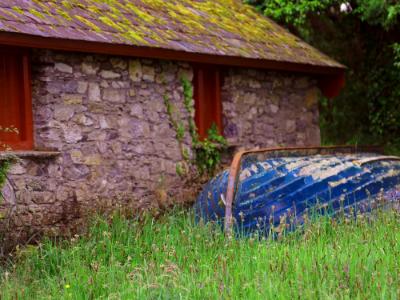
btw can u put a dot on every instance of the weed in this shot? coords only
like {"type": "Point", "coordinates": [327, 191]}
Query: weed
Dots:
{"type": "Point", "coordinates": [173, 257]}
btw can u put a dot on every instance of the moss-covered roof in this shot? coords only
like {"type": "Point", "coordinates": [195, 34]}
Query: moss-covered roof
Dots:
{"type": "Point", "coordinates": [216, 27]}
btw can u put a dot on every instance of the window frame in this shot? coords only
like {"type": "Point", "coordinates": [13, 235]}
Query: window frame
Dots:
{"type": "Point", "coordinates": [26, 140]}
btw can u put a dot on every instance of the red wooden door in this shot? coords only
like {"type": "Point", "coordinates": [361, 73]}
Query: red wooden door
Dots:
{"type": "Point", "coordinates": [15, 102]}
{"type": "Point", "coordinates": [207, 95]}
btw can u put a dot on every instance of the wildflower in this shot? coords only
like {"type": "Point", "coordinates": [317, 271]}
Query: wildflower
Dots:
{"type": "Point", "coordinates": [345, 7]}
{"type": "Point", "coordinates": [241, 215]}
{"type": "Point", "coordinates": [67, 286]}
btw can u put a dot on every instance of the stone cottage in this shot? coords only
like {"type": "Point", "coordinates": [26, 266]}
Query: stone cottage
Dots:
{"type": "Point", "coordinates": [83, 81]}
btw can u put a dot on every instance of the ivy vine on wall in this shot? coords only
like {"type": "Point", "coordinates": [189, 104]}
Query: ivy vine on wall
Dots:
{"type": "Point", "coordinates": [206, 153]}
{"type": "Point", "coordinates": [6, 163]}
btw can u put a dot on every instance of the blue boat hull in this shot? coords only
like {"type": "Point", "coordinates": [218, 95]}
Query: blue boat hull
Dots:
{"type": "Point", "coordinates": [283, 190]}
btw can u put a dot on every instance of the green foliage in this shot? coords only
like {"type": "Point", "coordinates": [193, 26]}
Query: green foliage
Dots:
{"type": "Point", "coordinates": [173, 257]}
{"type": "Point", "coordinates": [179, 169]}
{"type": "Point", "coordinates": [208, 151]}
{"type": "Point", "coordinates": [179, 128]}
{"type": "Point", "coordinates": [289, 11]}
{"type": "Point", "coordinates": [6, 163]}
{"type": "Point", "coordinates": [365, 37]}
{"type": "Point", "coordinates": [4, 167]}
{"type": "Point", "coordinates": [189, 107]}
{"type": "Point", "coordinates": [396, 50]}
{"type": "Point", "coordinates": [378, 12]}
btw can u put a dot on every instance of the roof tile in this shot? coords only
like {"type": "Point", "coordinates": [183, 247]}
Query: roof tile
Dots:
{"type": "Point", "coordinates": [218, 27]}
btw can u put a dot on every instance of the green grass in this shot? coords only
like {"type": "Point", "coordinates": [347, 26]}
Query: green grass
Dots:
{"type": "Point", "coordinates": [172, 258]}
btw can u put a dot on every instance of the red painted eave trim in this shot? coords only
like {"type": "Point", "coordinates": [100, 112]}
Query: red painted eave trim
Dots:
{"type": "Point", "coordinates": [331, 85]}
{"type": "Point", "coordinates": [31, 41]}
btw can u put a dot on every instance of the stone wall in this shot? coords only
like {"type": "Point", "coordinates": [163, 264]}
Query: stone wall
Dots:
{"type": "Point", "coordinates": [106, 117]}
{"type": "Point", "coordinates": [269, 109]}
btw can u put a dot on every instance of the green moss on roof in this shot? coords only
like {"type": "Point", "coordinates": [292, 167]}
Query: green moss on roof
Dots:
{"type": "Point", "coordinates": [68, 4]}
{"type": "Point", "coordinates": [18, 10]}
{"type": "Point", "coordinates": [219, 27]}
{"type": "Point", "coordinates": [147, 18]}
{"type": "Point", "coordinates": [88, 23]}
{"type": "Point", "coordinates": [107, 21]}
{"type": "Point", "coordinates": [63, 14]}
{"type": "Point", "coordinates": [94, 9]}
{"type": "Point", "coordinates": [37, 13]}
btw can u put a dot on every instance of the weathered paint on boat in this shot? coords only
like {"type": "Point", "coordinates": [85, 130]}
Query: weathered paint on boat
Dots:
{"type": "Point", "coordinates": [281, 190]}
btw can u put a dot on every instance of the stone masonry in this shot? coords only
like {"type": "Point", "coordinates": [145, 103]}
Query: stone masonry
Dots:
{"type": "Point", "coordinates": [269, 109]}
{"type": "Point", "coordinates": [106, 117]}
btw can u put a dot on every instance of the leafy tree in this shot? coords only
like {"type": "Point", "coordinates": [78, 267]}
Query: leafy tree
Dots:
{"type": "Point", "coordinates": [364, 35]}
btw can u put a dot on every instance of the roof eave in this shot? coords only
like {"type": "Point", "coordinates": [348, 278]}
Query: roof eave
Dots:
{"type": "Point", "coordinates": [32, 41]}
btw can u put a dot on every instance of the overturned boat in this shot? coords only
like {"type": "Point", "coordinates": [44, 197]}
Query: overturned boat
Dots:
{"type": "Point", "coordinates": [266, 189]}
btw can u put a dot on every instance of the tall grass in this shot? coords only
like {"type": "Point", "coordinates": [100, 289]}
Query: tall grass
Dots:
{"type": "Point", "coordinates": [173, 258]}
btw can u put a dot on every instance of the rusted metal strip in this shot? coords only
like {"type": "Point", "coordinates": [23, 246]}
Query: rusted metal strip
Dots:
{"type": "Point", "coordinates": [237, 160]}
{"type": "Point", "coordinates": [231, 189]}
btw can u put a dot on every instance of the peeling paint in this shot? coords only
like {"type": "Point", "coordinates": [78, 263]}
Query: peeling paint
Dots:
{"type": "Point", "coordinates": [296, 186]}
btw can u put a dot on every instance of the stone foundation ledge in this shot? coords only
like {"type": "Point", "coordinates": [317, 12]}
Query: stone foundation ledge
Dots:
{"type": "Point", "coordinates": [10, 155]}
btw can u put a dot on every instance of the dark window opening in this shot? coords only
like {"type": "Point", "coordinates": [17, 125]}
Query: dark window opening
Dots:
{"type": "Point", "coordinates": [207, 96]}
{"type": "Point", "coordinates": [15, 99]}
